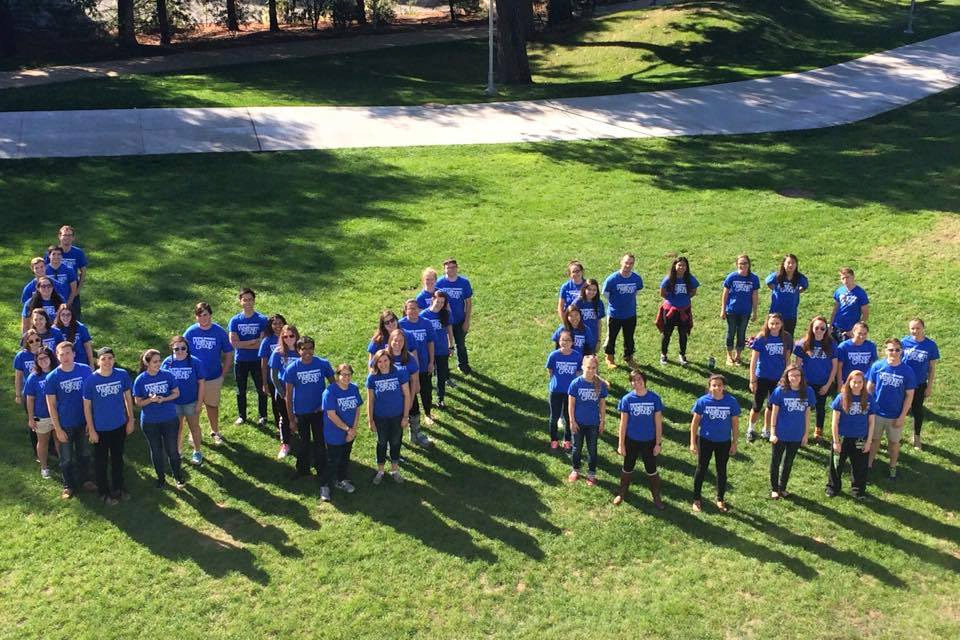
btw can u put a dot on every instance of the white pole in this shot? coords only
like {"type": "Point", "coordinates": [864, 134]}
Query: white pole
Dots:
{"type": "Point", "coordinates": [491, 85]}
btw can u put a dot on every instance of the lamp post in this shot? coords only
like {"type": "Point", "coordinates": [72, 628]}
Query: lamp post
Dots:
{"type": "Point", "coordinates": [909, 29]}
{"type": "Point", "coordinates": [491, 85]}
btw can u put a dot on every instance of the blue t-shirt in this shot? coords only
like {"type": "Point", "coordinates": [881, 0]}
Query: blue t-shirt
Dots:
{"type": "Point", "coordinates": [716, 416]}
{"type": "Point", "coordinates": [791, 418]}
{"type": "Point", "coordinates": [854, 424]}
{"type": "Point", "coordinates": [816, 367]}
{"type": "Point", "coordinates": [345, 402]}
{"type": "Point", "coordinates": [411, 367]}
{"type": "Point", "coordinates": [441, 341]}
{"type": "Point", "coordinates": [919, 355]}
{"type": "Point", "coordinates": [80, 338]}
{"type": "Point", "coordinates": [583, 339]}
{"type": "Point", "coordinates": [457, 292]}
{"type": "Point", "coordinates": [278, 363]}
{"type": "Point", "coordinates": [187, 373]}
{"type": "Point", "coordinates": [248, 329]}
{"type": "Point", "coordinates": [208, 345]}
{"type": "Point", "coordinates": [162, 385]}
{"type": "Point", "coordinates": [569, 292]}
{"type": "Point", "coordinates": [67, 387]}
{"type": "Point", "coordinates": [848, 306]}
{"type": "Point", "coordinates": [24, 361]}
{"type": "Point", "coordinates": [106, 396]}
{"type": "Point", "coordinates": [373, 346]}
{"type": "Point", "coordinates": [564, 368]}
{"type": "Point", "coordinates": [34, 386]}
{"type": "Point", "coordinates": [622, 294]}
{"type": "Point", "coordinates": [679, 295]}
{"type": "Point", "coordinates": [740, 296]}
{"type": "Point", "coordinates": [772, 360]}
{"type": "Point", "coordinates": [591, 317]}
{"type": "Point", "coordinates": [424, 298]}
{"type": "Point", "coordinates": [309, 382]}
{"type": "Point", "coordinates": [586, 408]}
{"type": "Point", "coordinates": [52, 338]}
{"type": "Point", "coordinates": [266, 347]}
{"type": "Point", "coordinates": [640, 411]}
{"type": "Point", "coordinates": [31, 286]}
{"type": "Point", "coordinates": [388, 392]}
{"type": "Point", "coordinates": [64, 276]}
{"type": "Point", "coordinates": [785, 296]}
{"type": "Point", "coordinates": [49, 306]}
{"type": "Point", "coordinates": [890, 385]}
{"type": "Point", "coordinates": [423, 334]}
{"type": "Point", "coordinates": [75, 258]}
{"type": "Point", "coordinates": [851, 356]}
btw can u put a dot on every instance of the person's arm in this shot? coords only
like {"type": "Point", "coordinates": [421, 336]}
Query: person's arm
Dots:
{"type": "Point", "coordinates": [571, 405]}
{"type": "Point", "coordinates": [870, 387]}
{"type": "Point", "coordinates": [693, 292]}
{"type": "Point", "coordinates": [337, 422]}
{"type": "Point", "coordinates": [931, 375]}
{"type": "Point", "coordinates": [467, 313]}
{"type": "Point", "coordinates": [806, 426]}
{"type": "Point", "coordinates": [560, 308]}
{"type": "Point", "coordinates": [201, 387]}
{"type": "Point", "coordinates": [451, 343]}
{"type": "Point", "coordinates": [18, 386]}
{"type": "Point", "coordinates": [694, 426]}
{"type": "Point", "coordinates": [128, 402]}
{"type": "Point", "coordinates": [265, 375]}
{"type": "Point", "coordinates": [174, 394]}
{"type": "Point", "coordinates": [370, 401]}
{"type": "Point", "coordinates": [871, 422]}
{"type": "Point", "coordinates": [88, 414]}
{"type": "Point", "coordinates": [430, 351]}
{"type": "Point", "coordinates": [658, 427]}
{"type": "Point", "coordinates": [603, 414]}
{"type": "Point", "coordinates": [734, 434]}
{"type": "Point", "coordinates": [88, 348]}
{"type": "Point", "coordinates": [227, 362]}
{"type": "Point", "coordinates": [81, 278]}
{"type": "Point", "coordinates": [834, 369]}
{"type": "Point", "coordinates": [622, 441]}
{"type": "Point", "coordinates": [73, 293]}
{"type": "Point", "coordinates": [839, 371]}
{"type": "Point", "coordinates": [407, 403]}
{"type": "Point", "coordinates": [907, 402]}
{"type": "Point", "coordinates": [864, 312]}
{"type": "Point", "coordinates": [663, 292]}
{"type": "Point", "coordinates": [723, 303]}
{"type": "Point", "coordinates": [288, 398]}
{"type": "Point", "coordinates": [31, 424]}
{"type": "Point", "coordinates": [755, 299]}
{"type": "Point", "coordinates": [753, 370]}
{"type": "Point", "coordinates": [275, 376]}
{"type": "Point", "coordinates": [773, 423]}
{"type": "Point", "coordinates": [237, 343]}
{"type": "Point", "coordinates": [835, 429]}
{"type": "Point", "coordinates": [833, 314]}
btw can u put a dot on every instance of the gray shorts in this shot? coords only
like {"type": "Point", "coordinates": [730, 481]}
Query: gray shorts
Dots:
{"type": "Point", "coordinates": [189, 409]}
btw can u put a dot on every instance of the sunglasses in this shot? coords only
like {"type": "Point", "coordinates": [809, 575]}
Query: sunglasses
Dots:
{"type": "Point", "coordinates": [180, 348]}
{"type": "Point", "coordinates": [46, 286]}
{"type": "Point", "coordinates": [34, 341]}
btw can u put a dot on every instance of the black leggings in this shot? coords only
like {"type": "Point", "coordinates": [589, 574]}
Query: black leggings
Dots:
{"type": "Point", "coordinates": [109, 448]}
{"type": "Point", "coordinates": [241, 371]}
{"type": "Point", "coordinates": [785, 451]}
{"type": "Point", "coordinates": [280, 417]}
{"type": "Point", "coordinates": [442, 365]}
{"type": "Point", "coordinates": [310, 427]}
{"type": "Point", "coordinates": [821, 408]}
{"type": "Point", "coordinates": [721, 452]}
{"type": "Point", "coordinates": [683, 332]}
{"type": "Point", "coordinates": [642, 449]}
{"type": "Point", "coordinates": [614, 325]}
{"type": "Point", "coordinates": [389, 433]}
{"type": "Point", "coordinates": [851, 448]}
{"type": "Point", "coordinates": [789, 325]}
{"type": "Point", "coordinates": [765, 387]}
{"type": "Point", "coordinates": [425, 395]}
{"type": "Point", "coordinates": [559, 406]}
{"type": "Point", "coordinates": [916, 409]}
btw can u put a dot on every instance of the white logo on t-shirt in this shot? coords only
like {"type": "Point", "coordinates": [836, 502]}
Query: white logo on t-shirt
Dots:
{"type": "Point", "coordinates": [108, 388]}
{"type": "Point", "coordinates": [715, 412]}
{"type": "Point", "coordinates": [641, 408]}
{"type": "Point", "coordinates": [390, 384]}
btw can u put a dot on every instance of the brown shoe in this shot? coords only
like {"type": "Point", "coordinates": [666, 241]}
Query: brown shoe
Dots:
{"type": "Point", "coordinates": [610, 362]}
{"type": "Point", "coordinates": [66, 494]}
{"type": "Point", "coordinates": [89, 486]}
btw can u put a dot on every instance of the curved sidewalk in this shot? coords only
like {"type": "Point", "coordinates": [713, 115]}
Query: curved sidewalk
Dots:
{"type": "Point", "coordinates": [835, 95]}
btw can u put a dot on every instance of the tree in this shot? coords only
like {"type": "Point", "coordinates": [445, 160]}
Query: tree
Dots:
{"type": "Point", "coordinates": [8, 33]}
{"type": "Point", "coordinates": [559, 11]}
{"type": "Point", "coordinates": [272, 12]}
{"type": "Point", "coordinates": [361, 12]}
{"type": "Point", "coordinates": [232, 23]}
{"type": "Point", "coordinates": [513, 67]}
{"type": "Point", "coordinates": [163, 20]}
{"type": "Point", "coordinates": [126, 36]}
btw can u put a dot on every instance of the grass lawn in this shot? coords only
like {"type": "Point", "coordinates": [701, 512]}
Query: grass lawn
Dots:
{"type": "Point", "coordinates": [486, 539]}
{"type": "Point", "coordinates": [690, 43]}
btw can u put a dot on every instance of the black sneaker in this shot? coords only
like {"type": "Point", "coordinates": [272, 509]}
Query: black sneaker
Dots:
{"type": "Point", "coordinates": [466, 370]}
{"type": "Point", "coordinates": [440, 404]}
{"type": "Point", "coordinates": [830, 493]}
{"type": "Point", "coordinates": [751, 436]}
{"type": "Point", "coordinates": [160, 483]}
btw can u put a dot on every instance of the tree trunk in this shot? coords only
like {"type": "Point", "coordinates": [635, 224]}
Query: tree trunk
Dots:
{"type": "Point", "coordinates": [232, 23]}
{"type": "Point", "coordinates": [559, 11]}
{"type": "Point", "coordinates": [8, 31]}
{"type": "Point", "coordinates": [361, 12]}
{"type": "Point", "coordinates": [272, 11]}
{"type": "Point", "coordinates": [453, 11]}
{"type": "Point", "coordinates": [164, 21]}
{"type": "Point", "coordinates": [126, 36]}
{"type": "Point", "coordinates": [513, 67]}
{"type": "Point", "coordinates": [529, 19]}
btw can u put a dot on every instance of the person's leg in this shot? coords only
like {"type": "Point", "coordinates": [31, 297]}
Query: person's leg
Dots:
{"type": "Point", "coordinates": [653, 473]}
{"type": "Point", "coordinates": [592, 434]}
{"type": "Point", "coordinates": [879, 426]}
{"type": "Point", "coordinates": [743, 321]}
{"type": "Point", "coordinates": [319, 446]}
{"type": "Point", "coordinates": [557, 400]}
{"type": "Point", "coordinates": [790, 325]}
{"type": "Point", "coordinates": [261, 396]}
{"type": "Point", "coordinates": [756, 410]}
{"type": "Point", "coordinates": [211, 400]}
{"type": "Point", "coordinates": [442, 364]}
{"type": "Point", "coordinates": [768, 387]}
{"type": "Point", "coordinates": [426, 392]}
{"type": "Point", "coordinates": [894, 434]}
{"type": "Point", "coordinates": [68, 460]}
{"type": "Point", "coordinates": [705, 452]}
{"type": "Point", "coordinates": [283, 424]}
{"type": "Point", "coordinates": [610, 344]}
{"type": "Point", "coordinates": [729, 337]}
{"type": "Point", "coordinates": [383, 438]}
{"type": "Point", "coordinates": [169, 432]}
{"type": "Point", "coordinates": [917, 411]}
{"type": "Point", "coordinates": [305, 447]}
{"type": "Point", "coordinates": [43, 448]}
{"type": "Point", "coordinates": [858, 464]}
{"type": "Point", "coordinates": [117, 447]}
{"type": "Point", "coordinates": [33, 443]}
{"type": "Point", "coordinates": [630, 455]}
{"type": "Point", "coordinates": [100, 452]}
{"type": "Point", "coordinates": [240, 375]}
{"type": "Point", "coordinates": [396, 440]}
{"type": "Point", "coordinates": [683, 333]}
{"type": "Point", "coordinates": [154, 435]}
{"type": "Point", "coordinates": [274, 405]}
{"type": "Point", "coordinates": [668, 326]}
{"type": "Point", "coordinates": [460, 339]}
{"type": "Point", "coordinates": [196, 437]}
{"type": "Point", "coordinates": [334, 454]}
{"type": "Point", "coordinates": [629, 328]}
{"type": "Point", "coordinates": [821, 411]}
{"type": "Point", "coordinates": [721, 456]}
{"type": "Point", "coordinates": [565, 413]}
{"type": "Point", "coordinates": [83, 461]}
{"type": "Point", "coordinates": [791, 449]}
{"type": "Point", "coordinates": [776, 455]}
{"type": "Point", "coordinates": [343, 467]}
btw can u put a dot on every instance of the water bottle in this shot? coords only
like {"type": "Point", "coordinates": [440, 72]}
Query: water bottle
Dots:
{"type": "Point", "coordinates": [711, 363]}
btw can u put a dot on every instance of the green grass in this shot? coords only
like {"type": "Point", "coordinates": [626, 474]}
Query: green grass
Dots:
{"type": "Point", "coordinates": [687, 44]}
{"type": "Point", "coordinates": [486, 539]}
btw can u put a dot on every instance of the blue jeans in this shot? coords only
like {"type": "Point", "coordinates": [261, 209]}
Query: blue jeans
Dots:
{"type": "Point", "coordinates": [591, 432]}
{"type": "Point", "coordinates": [74, 457]}
{"type": "Point", "coordinates": [162, 438]}
{"type": "Point", "coordinates": [737, 323]}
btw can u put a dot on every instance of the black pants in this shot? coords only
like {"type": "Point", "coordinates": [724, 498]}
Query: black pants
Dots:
{"type": "Point", "coordinates": [614, 325]}
{"type": "Point", "coordinates": [785, 451]}
{"type": "Point", "coordinates": [389, 433]}
{"type": "Point", "coordinates": [338, 463]}
{"type": "Point", "coordinates": [312, 447]}
{"type": "Point", "coordinates": [75, 307]}
{"type": "Point", "coordinates": [425, 395]}
{"type": "Point", "coordinates": [916, 409]}
{"type": "Point", "coordinates": [559, 407]}
{"type": "Point", "coordinates": [851, 448]}
{"type": "Point", "coordinates": [109, 448]}
{"type": "Point", "coordinates": [642, 449]}
{"type": "Point", "coordinates": [765, 387]}
{"type": "Point", "coordinates": [790, 325]}
{"type": "Point", "coordinates": [821, 407]}
{"type": "Point", "coordinates": [721, 452]}
{"type": "Point", "coordinates": [162, 438]}
{"type": "Point", "coordinates": [442, 365]}
{"type": "Point", "coordinates": [240, 371]}
{"type": "Point", "coordinates": [460, 338]}
{"type": "Point", "coordinates": [280, 417]}
{"type": "Point", "coordinates": [682, 331]}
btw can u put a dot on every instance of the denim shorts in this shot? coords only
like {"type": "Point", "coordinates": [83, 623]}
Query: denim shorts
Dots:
{"type": "Point", "coordinates": [189, 409]}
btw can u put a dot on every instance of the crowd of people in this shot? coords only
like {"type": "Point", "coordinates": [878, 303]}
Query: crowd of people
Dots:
{"type": "Point", "coordinates": [790, 380]}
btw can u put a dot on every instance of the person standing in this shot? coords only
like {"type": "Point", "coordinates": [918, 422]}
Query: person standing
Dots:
{"type": "Point", "coordinates": [786, 284]}
{"type": "Point", "coordinates": [187, 370]}
{"type": "Point", "coordinates": [922, 354]}
{"type": "Point", "coordinates": [75, 258]}
{"type": "Point", "coordinates": [620, 289]}
{"type": "Point", "coordinates": [591, 307]}
{"type": "Point", "coordinates": [817, 354]}
{"type": "Point", "coordinates": [247, 330]}
{"type": "Point", "coordinates": [64, 391]}
{"type": "Point", "coordinates": [424, 343]}
{"type": "Point", "coordinates": [271, 337]}
{"type": "Point", "coordinates": [771, 352]}
{"type": "Point", "coordinates": [570, 290]}
{"type": "Point", "coordinates": [305, 379]}
{"type": "Point", "coordinates": [38, 416]}
{"type": "Point", "coordinates": [60, 273]}
{"type": "Point", "coordinates": [429, 281]}
{"type": "Point", "coordinates": [211, 345]}
{"type": "Point", "coordinates": [563, 366]}
{"type": "Point", "coordinates": [892, 384]}
{"type": "Point", "coordinates": [587, 408]}
{"type": "Point", "coordinates": [856, 353]}
{"type": "Point", "coordinates": [789, 426]}
{"type": "Point", "coordinates": [388, 410]}
{"type": "Point", "coordinates": [850, 306]}
{"type": "Point", "coordinates": [853, 426]}
{"type": "Point", "coordinates": [46, 300]}
{"type": "Point", "coordinates": [641, 436]}
{"type": "Point", "coordinates": [438, 314]}
{"type": "Point", "coordinates": [340, 403]}
{"type": "Point", "coordinates": [738, 306]}
{"type": "Point", "coordinates": [460, 294]}
{"type": "Point", "coordinates": [75, 332]}
{"type": "Point", "coordinates": [108, 408]}
{"type": "Point", "coordinates": [281, 357]}
{"type": "Point", "coordinates": [39, 269]}
{"type": "Point", "coordinates": [714, 432]}
{"type": "Point", "coordinates": [155, 391]}
{"type": "Point", "coordinates": [676, 312]}
{"type": "Point", "coordinates": [24, 367]}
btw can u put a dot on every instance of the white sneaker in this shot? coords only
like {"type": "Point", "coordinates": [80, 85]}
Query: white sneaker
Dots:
{"type": "Point", "coordinates": [346, 485]}
{"type": "Point", "coordinates": [683, 361]}
{"type": "Point", "coordinates": [239, 421]}
{"type": "Point", "coordinates": [45, 472]}
{"type": "Point", "coordinates": [217, 438]}
{"type": "Point", "coordinates": [284, 452]}
{"type": "Point", "coordinates": [325, 493]}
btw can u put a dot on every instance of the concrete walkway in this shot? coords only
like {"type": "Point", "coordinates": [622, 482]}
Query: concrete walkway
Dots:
{"type": "Point", "coordinates": [825, 97]}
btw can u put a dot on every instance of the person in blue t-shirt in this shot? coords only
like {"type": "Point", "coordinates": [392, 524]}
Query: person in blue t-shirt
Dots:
{"type": "Point", "coordinates": [563, 365]}
{"type": "Point", "coordinates": [853, 426]}
{"type": "Point", "coordinates": [738, 306]}
{"type": "Point", "coordinates": [591, 307]}
{"type": "Point", "coordinates": [922, 354]}
{"type": "Point", "coordinates": [75, 258]}
{"type": "Point", "coordinates": [675, 312]}
{"type": "Point", "coordinates": [187, 370]}
{"type": "Point", "coordinates": [641, 435]}
{"type": "Point", "coordinates": [587, 407]}
{"type": "Point", "coordinates": [388, 410]}
{"type": "Point", "coordinates": [63, 275]}
{"type": "Point", "coordinates": [850, 306]}
{"type": "Point", "coordinates": [789, 426]}
{"type": "Point", "coordinates": [305, 380]}
{"type": "Point", "coordinates": [64, 391]}
{"type": "Point", "coordinates": [45, 299]}
{"type": "Point", "coordinates": [584, 340]}
{"type": "Point", "coordinates": [570, 290]}
{"type": "Point", "coordinates": [40, 322]}
{"type": "Point", "coordinates": [23, 368]}
{"type": "Point", "coordinates": [429, 281]}
{"type": "Point", "coordinates": [460, 293]}
{"type": "Point", "coordinates": [424, 343]}
{"type": "Point", "coordinates": [892, 384]}
{"type": "Point", "coordinates": [620, 289]}
{"type": "Point", "coordinates": [280, 358]}
{"type": "Point", "coordinates": [39, 269]}
{"type": "Point", "coordinates": [341, 402]}
{"type": "Point", "coordinates": [247, 329]}
{"type": "Point", "coordinates": [210, 343]}
{"type": "Point", "coordinates": [817, 354]}
{"type": "Point", "coordinates": [856, 353]}
{"type": "Point", "coordinates": [405, 359]}
{"type": "Point", "coordinates": [786, 284]}
{"type": "Point", "coordinates": [156, 391]}
{"type": "Point", "coordinates": [108, 408]}
{"type": "Point", "coordinates": [771, 354]}
{"type": "Point", "coordinates": [75, 332]}
{"type": "Point", "coordinates": [714, 432]}
{"type": "Point", "coordinates": [34, 399]}
{"type": "Point", "coordinates": [271, 336]}
{"type": "Point", "coordinates": [438, 314]}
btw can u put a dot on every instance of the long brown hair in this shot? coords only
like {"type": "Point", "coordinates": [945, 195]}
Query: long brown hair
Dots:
{"type": "Point", "coordinates": [599, 381]}
{"type": "Point", "coordinates": [566, 318]}
{"type": "Point", "coordinates": [374, 369]}
{"type": "Point", "coordinates": [847, 393]}
{"type": "Point", "coordinates": [404, 351]}
{"type": "Point", "coordinates": [809, 340]}
{"type": "Point", "coordinates": [70, 330]}
{"type": "Point", "coordinates": [282, 346]}
{"type": "Point", "coordinates": [381, 335]}
{"type": "Point", "coordinates": [785, 382]}
{"type": "Point", "coordinates": [784, 335]}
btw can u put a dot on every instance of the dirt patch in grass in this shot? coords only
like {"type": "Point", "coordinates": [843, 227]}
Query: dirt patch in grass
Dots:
{"type": "Point", "coordinates": [942, 242]}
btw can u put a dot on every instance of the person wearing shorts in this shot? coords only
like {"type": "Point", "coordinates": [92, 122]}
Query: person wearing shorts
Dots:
{"type": "Point", "coordinates": [891, 382]}
{"type": "Point", "coordinates": [771, 353]}
{"type": "Point", "coordinates": [210, 343]}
